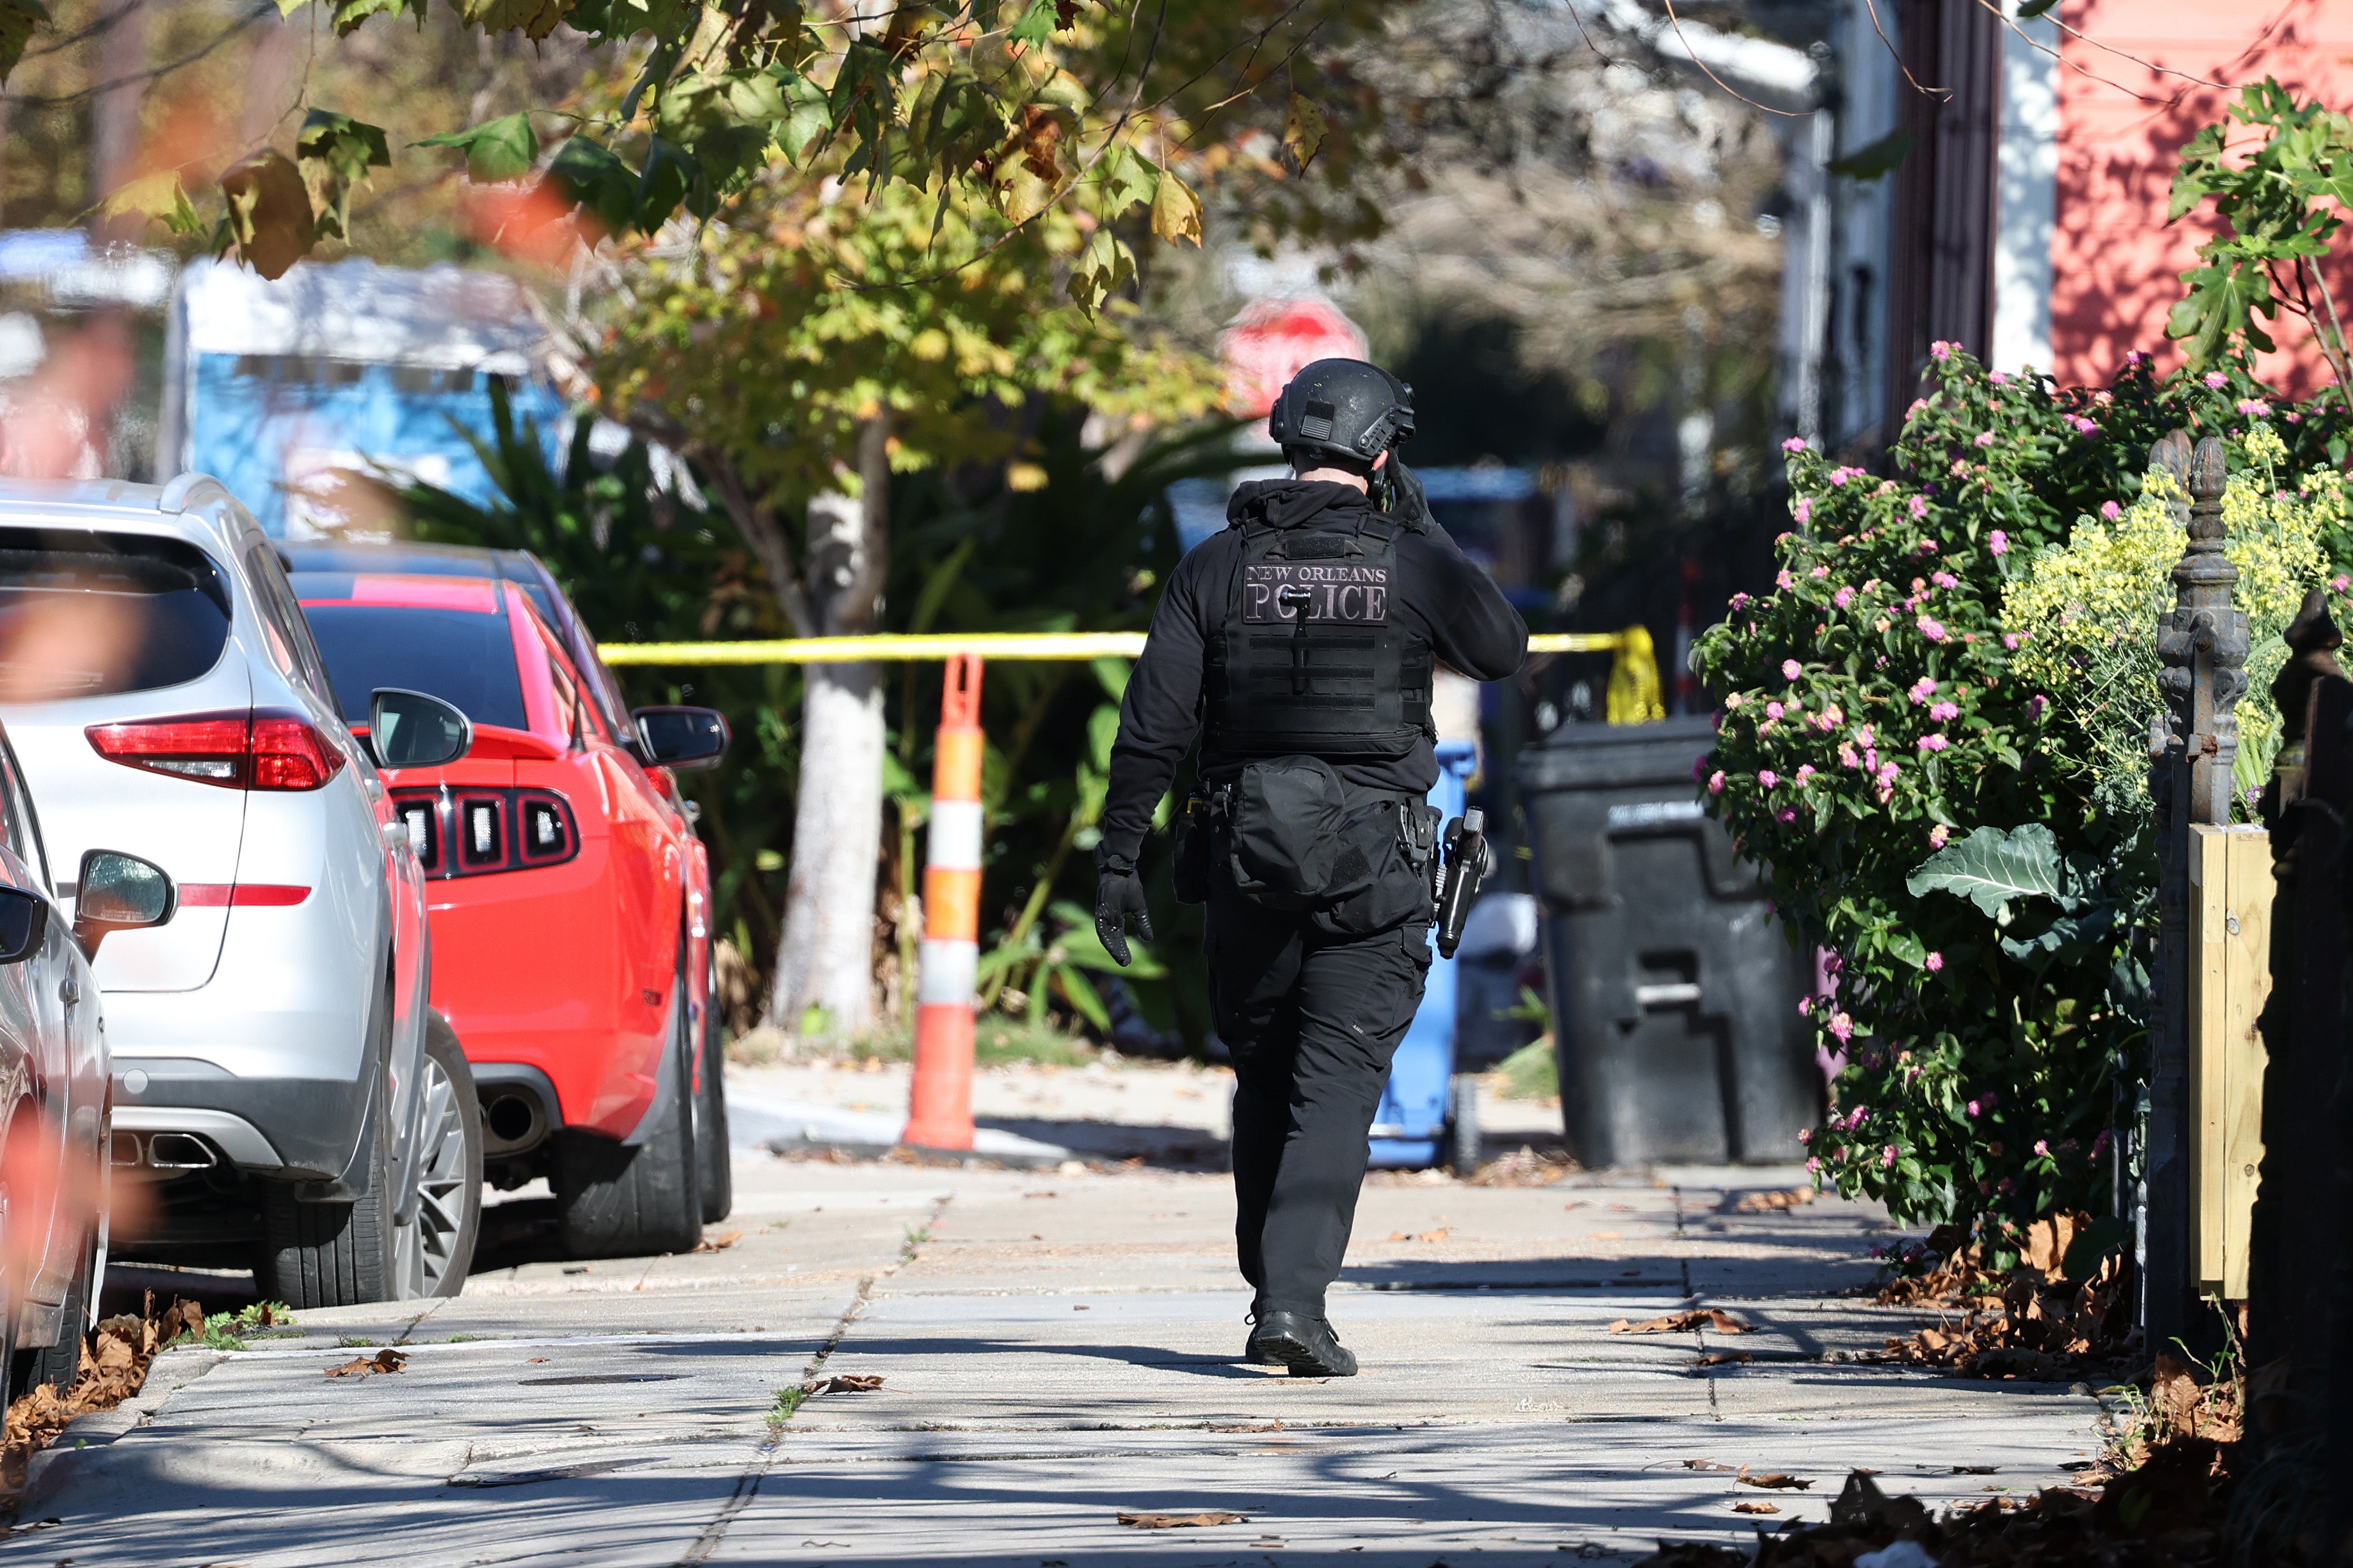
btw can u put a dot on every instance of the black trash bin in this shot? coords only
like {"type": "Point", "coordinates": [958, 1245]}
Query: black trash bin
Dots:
{"type": "Point", "coordinates": [1674, 991]}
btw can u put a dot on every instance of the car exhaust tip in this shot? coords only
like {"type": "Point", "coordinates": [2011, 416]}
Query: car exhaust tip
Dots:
{"type": "Point", "coordinates": [511, 1122]}
{"type": "Point", "coordinates": [179, 1152]}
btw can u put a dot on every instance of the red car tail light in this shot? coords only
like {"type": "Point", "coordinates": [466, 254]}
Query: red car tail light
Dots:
{"type": "Point", "coordinates": [289, 754]}
{"type": "Point", "coordinates": [470, 832]}
{"type": "Point", "coordinates": [264, 751]}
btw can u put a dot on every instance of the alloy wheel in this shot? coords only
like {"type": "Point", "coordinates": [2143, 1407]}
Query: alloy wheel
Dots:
{"type": "Point", "coordinates": [424, 1248]}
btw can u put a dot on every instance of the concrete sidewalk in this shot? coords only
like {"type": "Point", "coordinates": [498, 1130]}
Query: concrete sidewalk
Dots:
{"type": "Point", "coordinates": [1058, 1348]}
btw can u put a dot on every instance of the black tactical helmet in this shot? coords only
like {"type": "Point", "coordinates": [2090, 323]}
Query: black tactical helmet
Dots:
{"type": "Point", "coordinates": [1342, 409]}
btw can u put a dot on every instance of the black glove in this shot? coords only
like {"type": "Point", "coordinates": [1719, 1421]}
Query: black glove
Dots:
{"type": "Point", "coordinates": [1411, 507]}
{"type": "Point", "coordinates": [1119, 894]}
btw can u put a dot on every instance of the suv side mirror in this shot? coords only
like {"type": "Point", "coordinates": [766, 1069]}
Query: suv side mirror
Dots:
{"type": "Point", "coordinates": [118, 892]}
{"type": "Point", "coordinates": [24, 924]}
{"type": "Point", "coordinates": [682, 738]}
{"type": "Point", "coordinates": [412, 730]}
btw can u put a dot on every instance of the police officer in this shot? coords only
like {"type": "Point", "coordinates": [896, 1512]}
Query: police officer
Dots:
{"type": "Point", "coordinates": [1300, 645]}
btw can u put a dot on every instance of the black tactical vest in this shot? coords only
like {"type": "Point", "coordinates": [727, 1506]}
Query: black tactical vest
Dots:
{"type": "Point", "coordinates": [1311, 660]}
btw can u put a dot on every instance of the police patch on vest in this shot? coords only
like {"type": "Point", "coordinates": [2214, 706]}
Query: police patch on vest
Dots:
{"type": "Point", "coordinates": [1349, 594]}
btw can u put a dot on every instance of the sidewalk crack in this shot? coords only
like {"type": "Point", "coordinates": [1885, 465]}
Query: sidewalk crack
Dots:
{"type": "Point", "coordinates": [747, 1484]}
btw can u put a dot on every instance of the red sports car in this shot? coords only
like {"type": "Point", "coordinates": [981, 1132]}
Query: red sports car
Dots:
{"type": "Point", "coordinates": [567, 892]}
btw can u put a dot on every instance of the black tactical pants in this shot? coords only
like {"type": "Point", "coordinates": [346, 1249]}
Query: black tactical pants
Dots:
{"type": "Point", "coordinates": [1312, 1020]}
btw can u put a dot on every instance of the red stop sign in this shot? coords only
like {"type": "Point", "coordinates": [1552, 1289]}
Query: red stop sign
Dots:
{"type": "Point", "coordinates": [1272, 339]}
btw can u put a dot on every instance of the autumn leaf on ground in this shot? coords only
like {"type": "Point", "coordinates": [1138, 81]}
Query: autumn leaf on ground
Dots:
{"type": "Point", "coordinates": [1772, 1482]}
{"type": "Point", "coordinates": [387, 1359]}
{"type": "Point", "coordinates": [1767, 1202]}
{"type": "Point", "coordinates": [1715, 1318]}
{"type": "Point", "coordinates": [719, 1243]}
{"type": "Point", "coordinates": [849, 1383]}
{"type": "Point", "coordinates": [1703, 1465]}
{"type": "Point", "coordinates": [1755, 1508]}
{"type": "Point", "coordinates": [1180, 1520]}
{"type": "Point", "coordinates": [1724, 1358]}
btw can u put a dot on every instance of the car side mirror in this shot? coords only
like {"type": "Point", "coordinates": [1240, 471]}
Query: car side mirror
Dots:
{"type": "Point", "coordinates": [682, 738]}
{"type": "Point", "coordinates": [118, 892]}
{"type": "Point", "coordinates": [24, 924]}
{"type": "Point", "coordinates": [412, 730]}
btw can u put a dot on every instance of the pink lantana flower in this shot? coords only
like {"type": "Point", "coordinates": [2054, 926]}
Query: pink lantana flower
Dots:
{"type": "Point", "coordinates": [1768, 777]}
{"type": "Point", "coordinates": [1805, 772]}
{"type": "Point", "coordinates": [1842, 598]}
{"type": "Point", "coordinates": [1934, 742]}
{"type": "Point", "coordinates": [1794, 444]}
{"type": "Point", "coordinates": [1945, 579]}
{"type": "Point", "coordinates": [2217, 380]}
{"type": "Point", "coordinates": [1772, 709]}
{"type": "Point", "coordinates": [1887, 1158]}
{"type": "Point", "coordinates": [1936, 962]}
{"type": "Point", "coordinates": [1791, 669]}
{"type": "Point", "coordinates": [2255, 408]}
{"type": "Point", "coordinates": [1940, 349]}
{"type": "Point", "coordinates": [1942, 711]}
{"type": "Point", "coordinates": [1922, 690]}
{"type": "Point", "coordinates": [1938, 835]}
{"type": "Point", "coordinates": [1820, 571]}
{"type": "Point", "coordinates": [1998, 543]}
{"type": "Point", "coordinates": [1933, 629]}
{"type": "Point", "coordinates": [2110, 510]}
{"type": "Point", "coordinates": [1842, 1026]}
{"type": "Point", "coordinates": [1985, 438]}
{"type": "Point", "coordinates": [1735, 701]}
{"type": "Point", "coordinates": [1918, 506]}
{"type": "Point", "coordinates": [1803, 510]}
{"type": "Point", "coordinates": [2083, 426]}
{"type": "Point", "coordinates": [1783, 581]}
{"type": "Point", "coordinates": [1716, 782]}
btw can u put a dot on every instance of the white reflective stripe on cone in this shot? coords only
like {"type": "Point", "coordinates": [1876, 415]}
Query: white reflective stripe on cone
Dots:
{"type": "Point", "coordinates": [945, 972]}
{"type": "Point", "coordinates": [953, 844]}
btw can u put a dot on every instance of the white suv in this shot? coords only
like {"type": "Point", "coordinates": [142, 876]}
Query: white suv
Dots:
{"type": "Point", "coordinates": [279, 1075]}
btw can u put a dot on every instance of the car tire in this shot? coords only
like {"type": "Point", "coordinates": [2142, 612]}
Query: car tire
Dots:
{"type": "Point", "coordinates": [713, 1153]}
{"type": "Point", "coordinates": [433, 1253]}
{"type": "Point", "coordinates": [58, 1364]}
{"type": "Point", "coordinates": [333, 1254]}
{"type": "Point", "coordinates": [613, 1200]}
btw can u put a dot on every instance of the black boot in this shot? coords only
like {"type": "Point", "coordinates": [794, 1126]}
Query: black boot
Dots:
{"type": "Point", "coordinates": [1307, 1345]}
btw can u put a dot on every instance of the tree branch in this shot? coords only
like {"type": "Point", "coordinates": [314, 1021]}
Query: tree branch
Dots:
{"type": "Point", "coordinates": [761, 530]}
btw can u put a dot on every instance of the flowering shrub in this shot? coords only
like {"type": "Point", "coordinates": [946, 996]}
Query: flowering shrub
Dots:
{"type": "Point", "coordinates": [2085, 614]}
{"type": "Point", "coordinates": [1876, 711]}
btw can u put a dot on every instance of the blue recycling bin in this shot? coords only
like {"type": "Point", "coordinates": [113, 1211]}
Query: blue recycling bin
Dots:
{"type": "Point", "coordinates": [1426, 1117]}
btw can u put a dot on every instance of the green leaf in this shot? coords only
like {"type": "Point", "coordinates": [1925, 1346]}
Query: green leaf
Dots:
{"type": "Point", "coordinates": [1102, 267]}
{"type": "Point", "coordinates": [1125, 182]}
{"type": "Point", "coordinates": [1881, 157]}
{"type": "Point", "coordinates": [333, 152]}
{"type": "Point", "coordinates": [1111, 674]}
{"type": "Point", "coordinates": [1082, 995]}
{"type": "Point", "coordinates": [1036, 26]}
{"type": "Point", "coordinates": [496, 149]}
{"type": "Point", "coordinates": [533, 18]}
{"type": "Point", "coordinates": [2033, 9]}
{"type": "Point", "coordinates": [1103, 729]}
{"type": "Point", "coordinates": [159, 196]}
{"type": "Point", "coordinates": [1991, 868]}
{"type": "Point", "coordinates": [587, 174]}
{"type": "Point", "coordinates": [17, 20]}
{"type": "Point", "coordinates": [350, 13]}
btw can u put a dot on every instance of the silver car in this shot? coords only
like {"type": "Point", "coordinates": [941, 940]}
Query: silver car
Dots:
{"type": "Point", "coordinates": [279, 1075]}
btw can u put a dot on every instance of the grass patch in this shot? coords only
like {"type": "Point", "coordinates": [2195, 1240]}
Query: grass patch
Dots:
{"type": "Point", "coordinates": [1531, 1072]}
{"type": "Point", "coordinates": [787, 1401]}
{"type": "Point", "coordinates": [999, 1041]}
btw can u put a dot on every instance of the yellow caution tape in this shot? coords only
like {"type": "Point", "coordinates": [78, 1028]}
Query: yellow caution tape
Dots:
{"type": "Point", "coordinates": [1633, 694]}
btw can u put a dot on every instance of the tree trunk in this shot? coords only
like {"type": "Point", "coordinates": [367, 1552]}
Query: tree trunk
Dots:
{"type": "Point", "coordinates": [825, 959]}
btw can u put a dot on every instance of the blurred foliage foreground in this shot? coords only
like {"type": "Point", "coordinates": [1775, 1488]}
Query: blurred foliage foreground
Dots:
{"type": "Point", "coordinates": [633, 543]}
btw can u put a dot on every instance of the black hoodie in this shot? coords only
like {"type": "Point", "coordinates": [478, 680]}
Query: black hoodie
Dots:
{"type": "Point", "coordinates": [1441, 598]}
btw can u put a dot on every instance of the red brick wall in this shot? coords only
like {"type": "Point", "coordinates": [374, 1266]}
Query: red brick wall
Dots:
{"type": "Point", "coordinates": [2116, 265]}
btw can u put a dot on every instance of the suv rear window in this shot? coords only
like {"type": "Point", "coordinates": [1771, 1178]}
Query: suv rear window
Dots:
{"type": "Point", "coordinates": [462, 657]}
{"type": "Point", "coordinates": [101, 614]}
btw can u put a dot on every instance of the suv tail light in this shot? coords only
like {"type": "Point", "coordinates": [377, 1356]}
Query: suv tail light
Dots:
{"type": "Point", "coordinates": [262, 751]}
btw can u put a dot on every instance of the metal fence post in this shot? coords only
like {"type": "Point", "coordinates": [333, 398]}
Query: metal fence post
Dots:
{"type": "Point", "coordinates": [2202, 645]}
